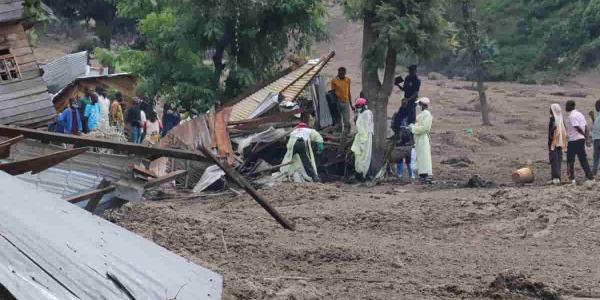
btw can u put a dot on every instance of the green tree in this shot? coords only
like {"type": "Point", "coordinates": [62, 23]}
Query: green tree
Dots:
{"type": "Point", "coordinates": [103, 12]}
{"type": "Point", "coordinates": [248, 38]}
{"type": "Point", "coordinates": [392, 28]}
{"type": "Point", "coordinates": [473, 45]}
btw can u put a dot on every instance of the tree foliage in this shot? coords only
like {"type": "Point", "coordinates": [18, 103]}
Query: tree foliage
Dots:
{"type": "Point", "coordinates": [395, 28]}
{"type": "Point", "coordinates": [247, 40]}
{"type": "Point", "coordinates": [102, 12]}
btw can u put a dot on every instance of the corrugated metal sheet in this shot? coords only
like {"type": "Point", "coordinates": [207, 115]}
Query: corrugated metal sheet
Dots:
{"type": "Point", "coordinates": [59, 73]}
{"type": "Point", "coordinates": [78, 174]}
{"type": "Point", "coordinates": [51, 249]}
{"type": "Point", "coordinates": [290, 86]}
{"type": "Point", "coordinates": [11, 10]}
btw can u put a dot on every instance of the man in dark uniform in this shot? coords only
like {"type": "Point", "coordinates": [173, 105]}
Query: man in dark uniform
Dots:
{"type": "Point", "coordinates": [412, 85]}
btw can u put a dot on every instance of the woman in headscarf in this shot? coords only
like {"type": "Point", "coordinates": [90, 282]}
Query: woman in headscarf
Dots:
{"type": "Point", "coordinates": [557, 141]}
{"type": "Point", "coordinates": [362, 147]}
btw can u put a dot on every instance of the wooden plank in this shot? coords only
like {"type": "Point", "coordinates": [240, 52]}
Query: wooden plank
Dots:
{"type": "Point", "coordinates": [242, 182]}
{"type": "Point", "coordinates": [164, 179]}
{"type": "Point", "coordinates": [28, 104]}
{"type": "Point", "coordinates": [143, 171]}
{"type": "Point", "coordinates": [137, 149]}
{"type": "Point", "coordinates": [89, 194]}
{"type": "Point", "coordinates": [95, 199]}
{"type": "Point", "coordinates": [6, 145]}
{"type": "Point", "coordinates": [39, 164]}
{"type": "Point", "coordinates": [45, 113]}
{"type": "Point", "coordinates": [19, 85]}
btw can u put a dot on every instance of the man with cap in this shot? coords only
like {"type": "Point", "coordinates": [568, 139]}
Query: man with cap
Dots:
{"type": "Point", "coordinates": [362, 147]}
{"type": "Point", "coordinates": [411, 88]}
{"type": "Point", "coordinates": [422, 136]}
{"type": "Point", "coordinates": [300, 154]}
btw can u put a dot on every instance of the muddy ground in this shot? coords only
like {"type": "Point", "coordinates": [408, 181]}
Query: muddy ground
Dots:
{"type": "Point", "coordinates": [402, 241]}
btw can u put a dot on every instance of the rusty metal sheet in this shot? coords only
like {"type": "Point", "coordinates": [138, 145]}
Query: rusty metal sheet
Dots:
{"type": "Point", "coordinates": [41, 163]}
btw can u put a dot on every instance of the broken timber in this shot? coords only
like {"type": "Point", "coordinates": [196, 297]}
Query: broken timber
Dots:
{"type": "Point", "coordinates": [242, 182]}
{"type": "Point", "coordinates": [5, 146]}
{"type": "Point", "coordinates": [39, 164]}
{"type": "Point", "coordinates": [90, 194]}
{"type": "Point", "coordinates": [79, 141]}
{"type": "Point", "coordinates": [163, 179]}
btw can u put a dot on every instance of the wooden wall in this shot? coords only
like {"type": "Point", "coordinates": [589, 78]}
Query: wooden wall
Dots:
{"type": "Point", "coordinates": [26, 101]}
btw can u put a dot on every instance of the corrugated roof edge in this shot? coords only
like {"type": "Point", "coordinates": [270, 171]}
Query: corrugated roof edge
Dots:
{"type": "Point", "coordinates": [89, 77]}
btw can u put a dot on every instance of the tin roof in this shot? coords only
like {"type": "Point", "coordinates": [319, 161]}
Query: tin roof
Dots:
{"type": "Point", "coordinates": [290, 86]}
{"type": "Point", "coordinates": [59, 73]}
{"type": "Point", "coordinates": [51, 249]}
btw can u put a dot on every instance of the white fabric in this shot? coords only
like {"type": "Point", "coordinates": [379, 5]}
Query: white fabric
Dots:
{"type": "Point", "coordinates": [104, 104]}
{"type": "Point", "coordinates": [210, 176]}
{"type": "Point", "coordinates": [267, 136]}
{"type": "Point", "coordinates": [559, 123]}
{"type": "Point", "coordinates": [362, 147]}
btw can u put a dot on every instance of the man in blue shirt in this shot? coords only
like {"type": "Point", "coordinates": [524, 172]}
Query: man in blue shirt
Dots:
{"type": "Point", "coordinates": [69, 119]}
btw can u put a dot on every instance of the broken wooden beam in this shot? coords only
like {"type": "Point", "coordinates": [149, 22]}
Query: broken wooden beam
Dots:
{"type": "Point", "coordinates": [95, 199]}
{"type": "Point", "coordinates": [41, 163]}
{"type": "Point", "coordinates": [163, 179]}
{"type": "Point", "coordinates": [5, 146]}
{"type": "Point", "coordinates": [90, 194]}
{"type": "Point", "coordinates": [80, 141]}
{"type": "Point", "coordinates": [242, 182]}
{"type": "Point", "coordinates": [143, 171]}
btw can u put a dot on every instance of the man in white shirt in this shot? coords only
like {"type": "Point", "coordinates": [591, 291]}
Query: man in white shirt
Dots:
{"type": "Point", "coordinates": [577, 131]}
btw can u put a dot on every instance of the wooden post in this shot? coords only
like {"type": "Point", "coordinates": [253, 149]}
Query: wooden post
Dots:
{"type": "Point", "coordinates": [95, 200]}
{"type": "Point", "coordinates": [242, 182]}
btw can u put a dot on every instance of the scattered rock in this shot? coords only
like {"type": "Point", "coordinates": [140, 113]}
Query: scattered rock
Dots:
{"type": "Point", "coordinates": [458, 162]}
{"type": "Point", "coordinates": [436, 76]}
{"type": "Point", "coordinates": [477, 181]}
{"type": "Point", "coordinates": [511, 284]}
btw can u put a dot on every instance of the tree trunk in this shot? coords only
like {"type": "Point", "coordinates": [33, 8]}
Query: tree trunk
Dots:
{"type": "Point", "coordinates": [472, 37]}
{"type": "Point", "coordinates": [220, 47]}
{"type": "Point", "coordinates": [378, 93]}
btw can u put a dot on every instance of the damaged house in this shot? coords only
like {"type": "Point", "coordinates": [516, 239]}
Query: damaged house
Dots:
{"type": "Point", "coordinates": [24, 97]}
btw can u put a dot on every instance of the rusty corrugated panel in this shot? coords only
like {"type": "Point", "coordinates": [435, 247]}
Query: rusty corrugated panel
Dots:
{"type": "Point", "coordinates": [223, 143]}
{"type": "Point", "coordinates": [290, 85]}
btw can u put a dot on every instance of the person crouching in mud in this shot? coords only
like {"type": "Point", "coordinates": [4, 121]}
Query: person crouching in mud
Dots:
{"type": "Point", "coordinates": [300, 154]}
{"type": "Point", "coordinates": [422, 135]}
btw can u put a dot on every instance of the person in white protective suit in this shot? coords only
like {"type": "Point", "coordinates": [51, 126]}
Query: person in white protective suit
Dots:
{"type": "Point", "coordinates": [300, 154]}
{"type": "Point", "coordinates": [422, 135]}
{"type": "Point", "coordinates": [362, 147]}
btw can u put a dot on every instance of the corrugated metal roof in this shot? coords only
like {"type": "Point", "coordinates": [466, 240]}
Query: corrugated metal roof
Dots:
{"type": "Point", "coordinates": [59, 73]}
{"type": "Point", "coordinates": [51, 249]}
{"type": "Point", "coordinates": [290, 86]}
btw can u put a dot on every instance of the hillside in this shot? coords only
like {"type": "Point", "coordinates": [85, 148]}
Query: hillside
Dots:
{"type": "Point", "coordinates": [540, 40]}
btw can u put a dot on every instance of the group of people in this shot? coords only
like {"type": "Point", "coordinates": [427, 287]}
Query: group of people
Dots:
{"type": "Point", "coordinates": [90, 112]}
{"type": "Point", "coordinates": [414, 129]}
{"type": "Point", "coordinates": [94, 111]}
{"type": "Point", "coordinates": [573, 135]}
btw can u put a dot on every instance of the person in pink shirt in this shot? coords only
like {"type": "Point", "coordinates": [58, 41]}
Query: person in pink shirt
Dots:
{"type": "Point", "coordinates": [577, 131]}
